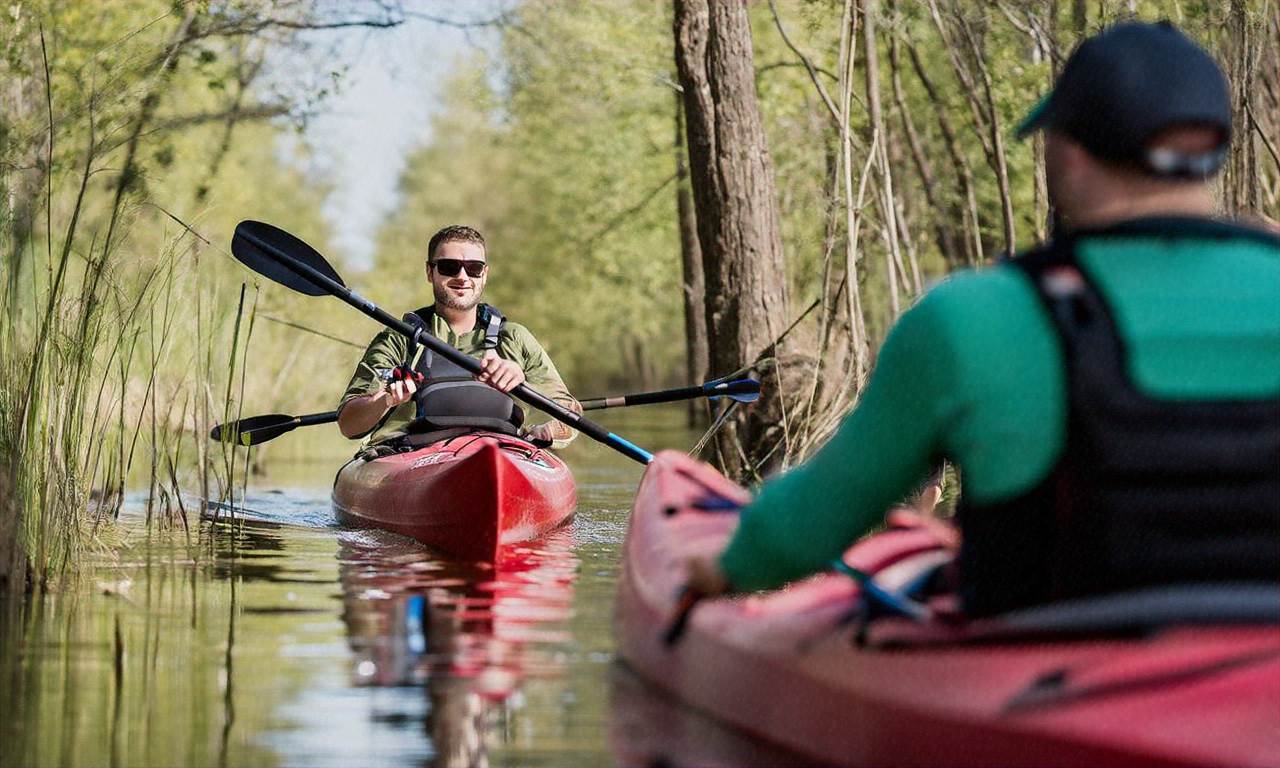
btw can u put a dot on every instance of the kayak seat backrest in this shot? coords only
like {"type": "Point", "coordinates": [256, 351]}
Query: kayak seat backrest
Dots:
{"type": "Point", "coordinates": [415, 440]}
{"type": "Point", "coordinates": [1155, 607]}
{"type": "Point", "coordinates": [402, 442]}
{"type": "Point", "coordinates": [1134, 612]}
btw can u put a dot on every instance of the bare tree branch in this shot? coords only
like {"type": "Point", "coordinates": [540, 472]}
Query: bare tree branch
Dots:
{"type": "Point", "coordinates": [964, 175]}
{"type": "Point", "coordinates": [622, 216]}
{"type": "Point", "coordinates": [788, 64]}
{"type": "Point", "coordinates": [501, 20]}
{"type": "Point", "coordinates": [181, 122]}
{"type": "Point", "coordinates": [996, 140]}
{"type": "Point", "coordinates": [808, 65]}
{"type": "Point", "coordinates": [942, 228]}
{"type": "Point", "coordinates": [234, 113]}
{"type": "Point", "coordinates": [504, 21]}
{"type": "Point", "coordinates": [1266, 141]}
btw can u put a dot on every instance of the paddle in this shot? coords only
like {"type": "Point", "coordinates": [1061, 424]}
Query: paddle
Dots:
{"type": "Point", "coordinates": [278, 255]}
{"type": "Point", "coordinates": [741, 390]}
{"type": "Point", "coordinates": [257, 430]}
{"type": "Point", "coordinates": [875, 596]}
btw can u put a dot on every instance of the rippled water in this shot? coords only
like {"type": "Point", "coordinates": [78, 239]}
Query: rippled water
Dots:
{"type": "Point", "coordinates": [290, 641]}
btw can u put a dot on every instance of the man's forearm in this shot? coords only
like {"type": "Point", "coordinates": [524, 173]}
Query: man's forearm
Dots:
{"type": "Point", "coordinates": [359, 415]}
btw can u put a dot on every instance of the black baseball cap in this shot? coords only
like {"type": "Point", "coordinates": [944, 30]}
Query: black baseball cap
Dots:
{"type": "Point", "coordinates": [1123, 86]}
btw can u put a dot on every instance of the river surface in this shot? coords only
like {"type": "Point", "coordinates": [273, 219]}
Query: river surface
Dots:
{"type": "Point", "coordinates": [283, 639]}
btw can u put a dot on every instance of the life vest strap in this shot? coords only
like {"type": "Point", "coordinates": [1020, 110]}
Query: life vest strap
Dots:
{"type": "Point", "coordinates": [450, 397]}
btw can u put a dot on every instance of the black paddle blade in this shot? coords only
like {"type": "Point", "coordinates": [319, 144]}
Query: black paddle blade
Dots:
{"type": "Point", "coordinates": [262, 248]}
{"type": "Point", "coordinates": [254, 430]}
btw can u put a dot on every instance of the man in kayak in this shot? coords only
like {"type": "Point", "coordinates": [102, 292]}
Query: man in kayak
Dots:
{"type": "Point", "coordinates": [393, 385]}
{"type": "Point", "coordinates": [1112, 398]}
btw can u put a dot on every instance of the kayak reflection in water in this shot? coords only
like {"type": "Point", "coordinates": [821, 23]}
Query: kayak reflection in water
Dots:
{"type": "Point", "coordinates": [1111, 398]}
{"type": "Point", "coordinates": [399, 388]}
{"type": "Point", "coordinates": [469, 633]}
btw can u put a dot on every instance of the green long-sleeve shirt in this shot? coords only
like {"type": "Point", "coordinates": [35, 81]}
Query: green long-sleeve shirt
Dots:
{"type": "Point", "coordinates": [974, 373]}
{"type": "Point", "coordinates": [389, 349]}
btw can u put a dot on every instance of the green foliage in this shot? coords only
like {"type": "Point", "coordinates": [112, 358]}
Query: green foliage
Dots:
{"type": "Point", "coordinates": [562, 154]}
{"type": "Point", "coordinates": [559, 144]}
{"type": "Point", "coordinates": [124, 172]}
{"type": "Point", "coordinates": [118, 286]}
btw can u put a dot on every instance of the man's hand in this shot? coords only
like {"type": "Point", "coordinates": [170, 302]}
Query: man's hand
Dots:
{"type": "Point", "coordinates": [541, 433]}
{"type": "Point", "coordinates": [361, 414]}
{"type": "Point", "coordinates": [947, 534]}
{"type": "Point", "coordinates": [398, 392]}
{"type": "Point", "coordinates": [705, 577]}
{"type": "Point", "coordinates": [502, 375]}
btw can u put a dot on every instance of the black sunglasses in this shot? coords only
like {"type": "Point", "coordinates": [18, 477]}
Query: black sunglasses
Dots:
{"type": "Point", "coordinates": [451, 267]}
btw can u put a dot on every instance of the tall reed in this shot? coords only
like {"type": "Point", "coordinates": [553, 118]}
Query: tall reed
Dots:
{"type": "Point", "coordinates": [89, 398]}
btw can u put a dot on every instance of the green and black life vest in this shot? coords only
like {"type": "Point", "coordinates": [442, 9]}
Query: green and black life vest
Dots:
{"type": "Point", "coordinates": [1147, 491]}
{"type": "Point", "coordinates": [450, 397]}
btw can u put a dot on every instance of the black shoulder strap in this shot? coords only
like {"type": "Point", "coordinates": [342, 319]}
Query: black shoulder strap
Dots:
{"type": "Point", "coordinates": [421, 319]}
{"type": "Point", "coordinates": [1082, 317]}
{"type": "Point", "coordinates": [1073, 301]}
{"type": "Point", "coordinates": [487, 317]}
{"type": "Point", "coordinates": [493, 321]}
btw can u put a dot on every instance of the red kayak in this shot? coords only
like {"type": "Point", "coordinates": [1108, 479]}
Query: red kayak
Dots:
{"type": "Point", "coordinates": [1060, 685]}
{"type": "Point", "coordinates": [465, 496]}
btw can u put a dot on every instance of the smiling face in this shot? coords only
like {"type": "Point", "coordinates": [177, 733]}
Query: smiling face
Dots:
{"type": "Point", "coordinates": [460, 291]}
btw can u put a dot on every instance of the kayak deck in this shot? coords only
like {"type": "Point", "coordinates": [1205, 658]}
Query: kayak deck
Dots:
{"type": "Point", "coordinates": [788, 666]}
{"type": "Point", "coordinates": [465, 496]}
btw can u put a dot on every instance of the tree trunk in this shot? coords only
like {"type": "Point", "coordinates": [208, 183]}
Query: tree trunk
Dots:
{"type": "Point", "coordinates": [643, 375]}
{"type": "Point", "coordinates": [1243, 187]}
{"type": "Point", "coordinates": [731, 174]}
{"type": "Point", "coordinates": [852, 196]}
{"type": "Point", "coordinates": [1080, 17]}
{"type": "Point", "coordinates": [21, 102]}
{"type": "Point", "coordinates": [694, 285]}
{"type": "Point", "coordinates": [879, 139]}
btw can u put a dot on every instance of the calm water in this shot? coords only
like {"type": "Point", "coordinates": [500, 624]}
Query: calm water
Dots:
{"type": "Point", "coordinates": [293, 642]}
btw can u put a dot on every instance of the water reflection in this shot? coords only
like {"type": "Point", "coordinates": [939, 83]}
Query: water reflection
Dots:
{"type": "Point", "coordinates": [469, 633]}
{"type": "Point", "coordinates": [648, 729]}
{"type": "Point", "coordinates": [275, 638]}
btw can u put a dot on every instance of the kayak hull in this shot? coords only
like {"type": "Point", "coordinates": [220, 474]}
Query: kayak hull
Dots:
{"type": "Point", "coordinates": [789, 666]}
{"type": "Point", "coordinates": [465, 497]}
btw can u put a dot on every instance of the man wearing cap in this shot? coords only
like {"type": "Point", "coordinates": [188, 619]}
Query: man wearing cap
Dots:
{"type": "Point", "coordinates": [1112, 398]}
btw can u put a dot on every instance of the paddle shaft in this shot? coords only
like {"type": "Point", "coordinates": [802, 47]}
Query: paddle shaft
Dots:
{"type": "Point", "coordinates": [257, 430]}
{"type": "Point", "coordinates": [281, 424]}
{"type": "Point", "coordinates": [712, 389]}
{"type": "Point", "coordinates": [328, 417]}
{"type": "Point", "coordinates": [466, 362]}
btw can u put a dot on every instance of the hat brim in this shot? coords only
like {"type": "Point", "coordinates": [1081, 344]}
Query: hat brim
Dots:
{"type": "Point", "coordinates": [1037, 118]}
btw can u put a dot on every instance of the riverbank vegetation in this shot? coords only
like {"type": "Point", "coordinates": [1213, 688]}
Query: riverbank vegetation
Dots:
{"type": "Point", "coordinates": [671, 191]}
{"type": "Point", "coordinates": [133, 136]}
{"type": "Point", "coordinates": [839, 159]}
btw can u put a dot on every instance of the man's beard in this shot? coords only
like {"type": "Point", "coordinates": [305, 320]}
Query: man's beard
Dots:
{"type": "Point", "coordinates": [445, 298]}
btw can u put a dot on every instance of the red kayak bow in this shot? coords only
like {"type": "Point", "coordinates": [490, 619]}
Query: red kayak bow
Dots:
{"type": "Point", "coordinates": [464, 496]}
